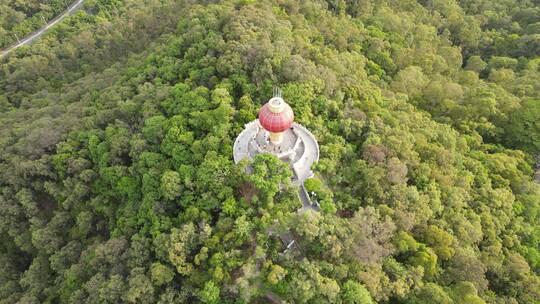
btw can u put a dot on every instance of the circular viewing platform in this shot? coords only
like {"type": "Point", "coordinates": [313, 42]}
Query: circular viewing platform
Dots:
{"type": "Point", "coordinates": [298, 147]}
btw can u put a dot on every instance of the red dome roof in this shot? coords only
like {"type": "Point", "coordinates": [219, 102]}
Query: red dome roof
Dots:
{"type": "Point", "coordinates": [276, 122]}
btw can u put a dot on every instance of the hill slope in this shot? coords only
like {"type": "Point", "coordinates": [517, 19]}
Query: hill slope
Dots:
{"type": "Point", "coordinates": [116, 175]}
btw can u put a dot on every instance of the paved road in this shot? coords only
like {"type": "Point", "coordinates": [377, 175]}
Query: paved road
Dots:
{"type": "Point", "coordinates": [28, 39]}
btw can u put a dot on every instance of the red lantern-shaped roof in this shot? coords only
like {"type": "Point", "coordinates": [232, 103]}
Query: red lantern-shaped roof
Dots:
{"type": "Point", "coordinates": [276, 115]}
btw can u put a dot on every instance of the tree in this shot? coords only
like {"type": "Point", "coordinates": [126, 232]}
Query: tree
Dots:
{"type": "Point", "coordinates": [427, 259]}
{"type": "Point", "coordinates": [430, 293]}
{"type": "Point", "coordinates": [171, 185]}
{"type": "Point", "coordinates": [465, 266]}
{"type": "Point", "coordinates": [154, 129]}
{"type": "Point", "coordinates": [465, 292]}
{"type": "Point", "coordinates": [372, 233]}
{"type": "Point", "coordinates": [140, 287]}
{"type": "Point", "coordinates": [404, 242]}
{"type": "Point", "coordinates": [276, 274]}
{"type": "Point", "coordinates": [269, 174]}
{"type": "Point", "coordinates": [441, 242]}
{"type": "Point", "coordinates": [112, 290]}
{"type": "Point", "coordinates": [475, 63]}
{"type": "Point", "coordinates": [523, 130]}
{"type": "Point", "coordinates": [210, 293]}
{"type": "Point", "coordinates": [161, 274]}
{"type": "Point", "coordinates": [410, 81]}
{"type": "Point", "coordinates": [355, 293]}
{"type": "Point", "coordinates": [182, 242]}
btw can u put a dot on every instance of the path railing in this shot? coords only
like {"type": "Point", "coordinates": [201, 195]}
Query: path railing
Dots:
{"type": "Point", "coordinates": [38, 33]}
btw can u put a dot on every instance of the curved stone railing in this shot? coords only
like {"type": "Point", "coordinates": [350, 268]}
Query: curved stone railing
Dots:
{"type": "Point", "coordinates": [312, 138]}
{"type": "Point", "coordinates": [238, 152]}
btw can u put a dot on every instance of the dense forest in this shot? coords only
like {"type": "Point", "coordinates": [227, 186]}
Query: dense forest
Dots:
{"type": "Point", "coordinates": [19, 18]}
{"type": "Point", "coordinates": [117, 183]}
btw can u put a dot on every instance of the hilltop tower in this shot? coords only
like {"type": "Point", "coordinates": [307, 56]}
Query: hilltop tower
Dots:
{"type": "Point", "coordinates": [276, 116]}
{"type": "Point", "coordinates": [275, 132]}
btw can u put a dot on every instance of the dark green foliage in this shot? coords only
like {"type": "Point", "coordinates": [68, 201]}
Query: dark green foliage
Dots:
{"type": "Point", "coordinates": [523, 131]}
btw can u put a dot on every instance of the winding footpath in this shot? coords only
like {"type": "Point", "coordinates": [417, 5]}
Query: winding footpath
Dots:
{"type": "Point", "coordinates": [38, 33]}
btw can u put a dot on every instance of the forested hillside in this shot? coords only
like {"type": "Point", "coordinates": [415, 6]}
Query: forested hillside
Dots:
{"type": "Point", "coordinates": [117, 183]}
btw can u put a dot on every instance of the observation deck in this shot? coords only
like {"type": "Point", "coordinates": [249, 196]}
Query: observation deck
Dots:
{"type": "Point", "coordinates": [298, 147]}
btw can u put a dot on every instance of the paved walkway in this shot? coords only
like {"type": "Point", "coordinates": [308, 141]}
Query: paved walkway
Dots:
{"type": "Point", "coordinates": [28, 39]}
{"type": "Point", "coordinates": [307, 204]}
